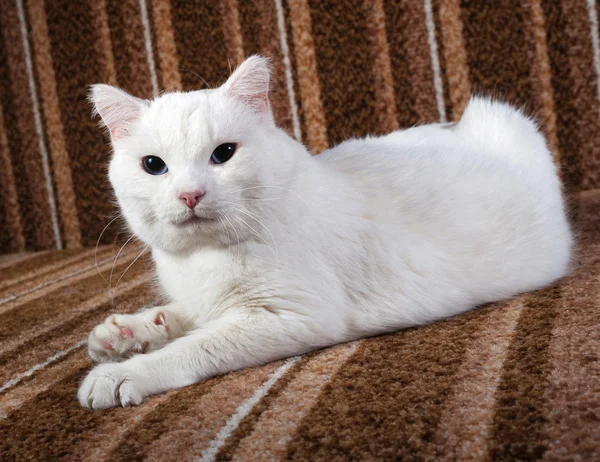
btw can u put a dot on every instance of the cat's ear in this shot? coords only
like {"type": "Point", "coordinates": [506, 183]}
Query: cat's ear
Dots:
{"type": "Point", "coordinates": [118, 109]}
{"type": "Point", "coordinates": [249, 83]}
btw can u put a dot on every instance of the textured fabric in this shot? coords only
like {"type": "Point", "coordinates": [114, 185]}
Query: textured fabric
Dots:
{"type": "Point", "coordinates": [511, 381]}
{"type": "Point", "coordinates": [342, 69]}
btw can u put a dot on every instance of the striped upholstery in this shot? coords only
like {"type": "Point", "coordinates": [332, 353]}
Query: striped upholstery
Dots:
{"type": "Point", "coordinates": [511, 381]}
{"type": "Point", "coordinates": [342, 68]}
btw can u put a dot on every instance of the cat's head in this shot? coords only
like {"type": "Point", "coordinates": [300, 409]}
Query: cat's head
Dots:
{"type": "Point", "coordinates": [189, 168]}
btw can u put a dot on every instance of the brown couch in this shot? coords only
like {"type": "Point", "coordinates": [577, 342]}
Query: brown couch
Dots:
{"type": "Point", "coordinates": [516, 380]}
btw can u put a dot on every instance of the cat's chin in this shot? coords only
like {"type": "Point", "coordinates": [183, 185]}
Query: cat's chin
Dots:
{"type": "Point", "coordinates": [185, 240]}
{"type": "Point", "coordinates": [188, 233]}
{"type": "Point", "coordinates": [195, 221]}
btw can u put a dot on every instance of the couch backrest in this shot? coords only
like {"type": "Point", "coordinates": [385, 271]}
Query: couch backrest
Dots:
{"type": "Point", "coordinates": [343, 68]}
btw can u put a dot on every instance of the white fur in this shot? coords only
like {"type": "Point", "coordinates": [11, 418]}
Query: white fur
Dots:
{"type": "Point", "coordinates": [300, 252]}
{"type": "Point", "coordinates": [119, 110]}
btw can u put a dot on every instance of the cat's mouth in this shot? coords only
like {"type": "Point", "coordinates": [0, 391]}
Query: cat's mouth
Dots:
{"type": "Point", "coordinates": [195, 220]}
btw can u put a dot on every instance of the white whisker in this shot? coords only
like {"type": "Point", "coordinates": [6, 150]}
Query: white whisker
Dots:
{"type": "Point", "coordinates": [257, 219]}
{"type": "Point", "coordinates": [140, 254]}
{"type": "Point", "coordinates": [226, 230]}
{"type": "Point", "coordinates": [197, 75]}
{"type": "Point", "coordinates": [250, 228]}
{"type": "Point", "coordinates": [270, 186]}
{"type": "Point", "coordinates": [98, 243]}
{"type": "Point", "coordinates": [130, 265]}
{"type": "Point", "coordinates": [270, 199]}
{"type": "Point", "coordinates": [112, 269]}
{"type": "Point", "coordinates": [236, 233]}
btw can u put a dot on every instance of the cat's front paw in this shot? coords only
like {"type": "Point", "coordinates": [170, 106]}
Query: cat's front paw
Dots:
{"type": "Point", "coordinates": [123, 335]}
{"type": "Point", "coordinates": [110, 385]}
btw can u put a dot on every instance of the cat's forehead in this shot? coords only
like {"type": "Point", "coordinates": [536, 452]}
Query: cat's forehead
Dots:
{"type": "Point", "coordinates": [193, 117]}
{"type": "Point", "coordinates": [182, 105]}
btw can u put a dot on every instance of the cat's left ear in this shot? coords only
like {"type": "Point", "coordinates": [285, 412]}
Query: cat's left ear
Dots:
{"type": "Point", "coordinates": [249, 83]}
{"type": "Point", "coordinates": [118, 109]}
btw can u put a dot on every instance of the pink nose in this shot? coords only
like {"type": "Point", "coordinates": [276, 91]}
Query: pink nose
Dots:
{"type": "Point", "coordinates": [191, 198]}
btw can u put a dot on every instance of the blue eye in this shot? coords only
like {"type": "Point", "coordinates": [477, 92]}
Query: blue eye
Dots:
{"type": "Point", "coordinates": [223, 153]}
{"type": "Point", "coordinates": [154, 165]}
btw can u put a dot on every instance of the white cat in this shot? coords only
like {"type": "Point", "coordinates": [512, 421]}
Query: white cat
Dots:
{"type": "Point", "coordinates": [266, 251]}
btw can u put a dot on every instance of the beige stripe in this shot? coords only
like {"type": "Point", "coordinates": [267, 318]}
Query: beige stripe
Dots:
{"type": "Point", "coordinates": [541, 74]}
{"type": "Point", "coordinates": [96, 446]}
{"type": "Point", "coordinates": [308, 79]}
{"type": "Point", "coordinates": [189, 437]}
{"type": "Point", "coordinates": [39, 216]}
{"type": "Point", "coordinates": [583, 78]}
{"type": "Point", "coordinates": [45, 377]}
{"type": "Point", "coordinates": [457, 67]}
{"type": "Point", "coordinates": [244, 409]}
{"type": "Point", "coordinates": [63, 280]}
{"type": "Point", "coordinates": [37, 118]}
{"type": "Point", "coordinates": [43, 328]}
{"type": "Point", "coordinates": [276, 426]}
{"type": "Point", "coordinates": [19, 377]}
{"type": "Point", "coordinates": [165, 45]}
{"type": "Point", "coordinates": [232, 30]}
{"type": "Point", "coordinates": [382, 68]}
{"type": "Point", "coordinates": [435, 61]}
{"type": "Point", "coordinates": [15, 258]}
{"type": "Point", "coordinates": [585, 195]}
{"type": "Point", "coordinates": [593, 14]}
{"type": "Point", "coordinates": [289, 80]}
{"type": "Point", "coordinates": [132, 40]}
{"type": "Point", "coordinates": [464, 428]}
{"type": "Point", "coordinates": [10, 191]}
{"type": "Point", "coordinates": [99, 9]}
{"type": "Point", "coordinates": [44, 380]}
{"type": "Point", "coordinates": [45, 272]}
{"type": "Point", "coordinates": [571, 426]}
{"type": "Point", "coordinates": [60, 158]}
{"type": "Point", "coordinates": [67, 336]}
{"type": "Point", "coordinates": [420, 66]}
{"type": "Point", "coordinates": [149, 48]}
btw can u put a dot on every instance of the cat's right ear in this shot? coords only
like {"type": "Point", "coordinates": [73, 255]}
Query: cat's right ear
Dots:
{"type": "Point", "coordinates": [249, 83]}
{"type": "Point", "coordinates": [118, 109]}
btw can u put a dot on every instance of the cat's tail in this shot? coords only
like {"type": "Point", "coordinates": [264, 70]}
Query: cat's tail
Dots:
{"type": "Point", "coordinates": [500, 129]}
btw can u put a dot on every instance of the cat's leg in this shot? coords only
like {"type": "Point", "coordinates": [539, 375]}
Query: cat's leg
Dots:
{"type": "Point", "coordinates": [233, 342]}
{"type": "Point", "coordinates": [122, 335]}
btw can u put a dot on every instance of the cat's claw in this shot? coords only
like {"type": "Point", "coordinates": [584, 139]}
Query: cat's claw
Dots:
{"type": "Point", "coordinates": [109, 385]}
{"type": "Point", "coordinates": [121, 336]}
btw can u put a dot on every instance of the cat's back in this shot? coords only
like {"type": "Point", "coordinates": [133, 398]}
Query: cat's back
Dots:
{"type": "Point", "coordinates": [481, 194]}
{"type": "Point", "coordinates": [406, 165]}
{"type": "Point", "coordinates": [494, 155]}
{"type": "Point", "coordinates": [384, 156]}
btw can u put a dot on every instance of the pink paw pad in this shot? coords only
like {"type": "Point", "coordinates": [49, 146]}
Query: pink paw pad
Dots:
{"type": "Point", "coordinates": [126, 332]}
{"type": "Point", "coordinates": [160, 320]}
{"type": "Point", "coordinates": [106, 344]}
